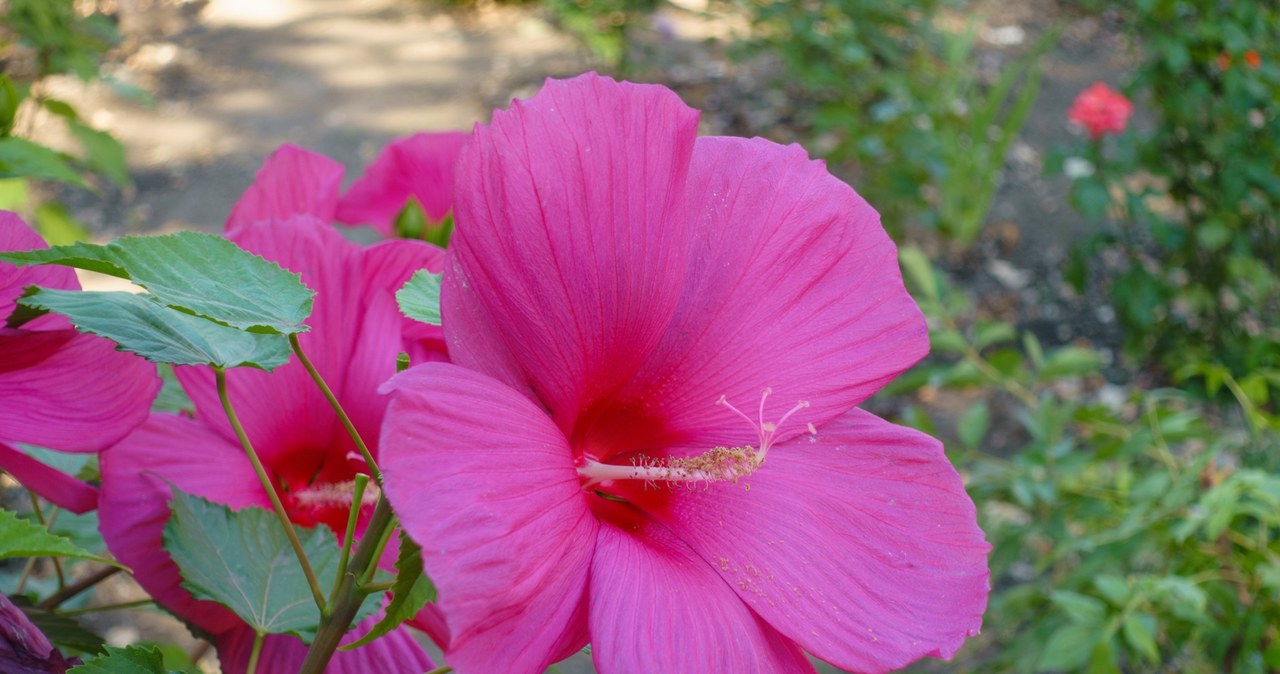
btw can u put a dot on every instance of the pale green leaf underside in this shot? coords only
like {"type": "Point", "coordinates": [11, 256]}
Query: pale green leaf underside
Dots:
{"type": "Point", "coordinates": [142, 325]}
{"type": "Point", "coordinates": [419, 299]}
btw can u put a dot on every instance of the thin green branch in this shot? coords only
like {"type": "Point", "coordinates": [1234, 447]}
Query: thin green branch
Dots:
{"type": "Point", "coordinates": [220, 376]}
{"type": "Point", "coordinates": [337, 407]}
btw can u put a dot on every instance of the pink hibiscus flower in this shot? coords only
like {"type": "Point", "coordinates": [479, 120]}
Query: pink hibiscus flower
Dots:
{"type": "Point", "coordinates": [1100, 110]}
{"type": "Point", "coordinates": [572, 478]}
{"type": "Point", "coordinates": [417, 167]}
{"type": "Point", "coordinates": [356, 333]}
{"type": "Point", "coordinates": [60, 389]}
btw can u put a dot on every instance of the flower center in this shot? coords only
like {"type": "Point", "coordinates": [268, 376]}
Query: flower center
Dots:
{"type": "Point", "coordinates": [718, 464]}
{"type": "Point", "coordinates": [327, 503]}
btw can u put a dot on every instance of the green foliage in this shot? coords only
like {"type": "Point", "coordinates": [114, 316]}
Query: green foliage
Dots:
{"type": "Point", "coordinates": [419, 299]}
{"type": "Point", "coordinates": [243, 560]}
{"type": "Point", "coordinates": [602, 25]}
{"type": "Point", "coordinates": [412, 591]}
{"type": "Point", "coordinates": [63, 41]}
{"type": "Point", "coordinates": [24, 538]}
{"type": "Point", "coordinates": [130, 660]}
{"type": "Point", "coordinates": [1135, 533]}
{"type": "Point", "coordinates": [903, 101]}
{"type": "Point", "coordinates": [1197, 196]}
{"type": "Point", "coordinates": [199, 273]}
{"type": "Point", "coordinates": [56, 39]}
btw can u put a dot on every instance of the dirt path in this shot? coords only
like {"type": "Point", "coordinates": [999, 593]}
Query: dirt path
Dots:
{"type": "Point", "coordinates": [233, 79]}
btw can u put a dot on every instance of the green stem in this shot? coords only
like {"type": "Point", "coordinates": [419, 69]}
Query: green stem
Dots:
{"type": "Point", "coordinates": [337, 407]}
{"type": "Point", "coordinates": [357, 503]}
{"type": "Point", "coordinates": [258, 638]}
{"type": "Point", "coordinates": [441, 670]}
{"type": "Point", "coordinates": [383, 538]}
{"type": "Point", "coordinates": [108, 607]}
{"type": "Point", "coordinates": [220, 376]}
{"type": "Point", "coordinates": [336, 623]}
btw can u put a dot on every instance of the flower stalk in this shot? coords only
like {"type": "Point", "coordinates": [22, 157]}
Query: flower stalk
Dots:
{"type": "Point", "coordinates": [296, 344]}
{"type": "Point", "coordinates": [220, 376]}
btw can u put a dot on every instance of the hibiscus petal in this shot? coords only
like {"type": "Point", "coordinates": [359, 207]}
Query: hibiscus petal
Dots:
{"type": "Point", "coordinates": [48, 483]}
{"type": "Point", "coordinates": [393, 653]}
{"type": "Point", "coordinates": [656, 606]}
{"type": "Point", "coordinates": [794, 285]}
{"type": "Point", "coordinates": [483, 480]}
{"type": "Point", "coordinates": [861, 545]}
{"type": "Point", "coordinates": [69, 391]}
{"type": "Point", "coordinates": [134, 505]}
{"type": "Point", "coordinates": [419, 166]}
{"type": "Point", "coordinates": [567, 260]}
{"type": "Point", "coordinates": [16, 235]}
{"type": "Point", "coordinates": [292, 181]}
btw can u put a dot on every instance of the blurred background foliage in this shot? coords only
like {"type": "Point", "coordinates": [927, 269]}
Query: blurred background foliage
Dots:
{"type": "Point", "coordinates": [1130, 482]}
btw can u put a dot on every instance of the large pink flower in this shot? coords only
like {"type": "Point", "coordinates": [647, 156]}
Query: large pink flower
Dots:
{"type": "Point", "coordinates": [416, 167]}
{"type": "Point", "coordinates": [356, 333]}
{"type": "Point", "coordinates": [572, 478]}
{"type": "Point", "coordinates": [58, 388]}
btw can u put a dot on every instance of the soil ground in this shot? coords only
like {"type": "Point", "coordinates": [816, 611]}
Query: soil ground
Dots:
{"type": "Point", "coordinates": [230, 80]}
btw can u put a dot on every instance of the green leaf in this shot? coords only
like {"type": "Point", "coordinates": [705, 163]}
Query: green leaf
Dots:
{"type": "Point", "coordinates": [1034, 351]}
{"type": "Point", "coordinates": [102, 153]}
{"type": "Point", "coordinates": [1070, 646]}
{"type": "Point", "coordinates": [986, 333]}
{"type": "Point", "coordinates": [419, 299]}
{"type": "Point", "coordinates": [57, 226]}
{"type": "Point", "coordinates": [142, 325]}
{"type": "Point", "coordinates": [243, 560]}
{"type": "Point", "coordinates": [60, 108]}
{"type": "Point", "coordinates": [172, 398]}
{"type": "Point", "coordinates": [1080, 608]}
{"type": "Point", "coordinates": [1139, 631]}
{"type": "Point", "coordinates": [943, 340]}
{"type": "Point", "coordinates": [10, 99]}
{"type": "Point", "coordinates": [21, 158]}
{"type": "Point", "coordinates": [24, 538]}
{"type": "Point", "coordinates": [13, 194]}
{"type": "Point", "coordinates": [130, 660]}
{"type": "Point", "coordinates": [1114, 588]}
{"type": "Point", "coordinates": [1071, 360]}
{"type": "Point", "coordinates": [974, 423]}
{"type": "Point", "coordinates": [199, 273]}
{"type": "Point", "coordinates": [413, 590]}
{"type": "Point", "coordinates": [916, 267]}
